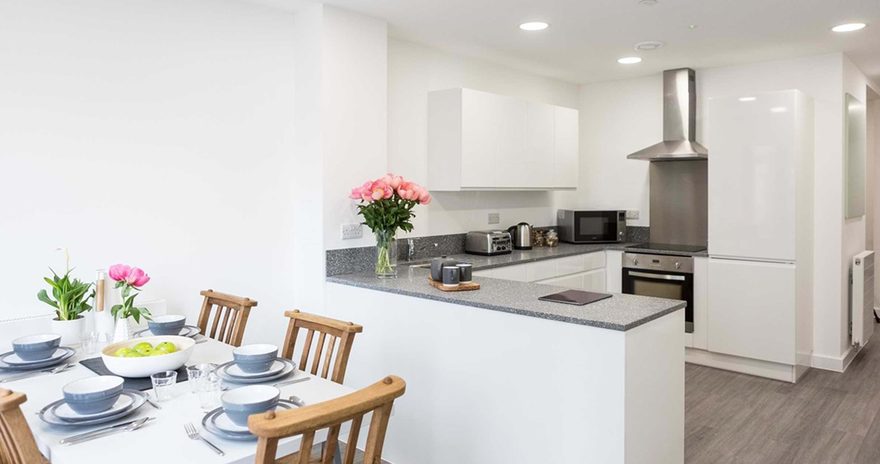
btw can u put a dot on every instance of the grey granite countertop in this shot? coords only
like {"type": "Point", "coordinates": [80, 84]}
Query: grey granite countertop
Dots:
{"type": "Point", "coordinates": [620, 312]}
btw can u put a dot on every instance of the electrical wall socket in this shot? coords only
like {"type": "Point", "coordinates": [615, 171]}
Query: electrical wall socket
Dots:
{"type": "Point", "coordinates": [494, 218]}
{"type": "Point", "coordinates": [632, 214]}
{"type": "Point", "coordinates": [352, 231]}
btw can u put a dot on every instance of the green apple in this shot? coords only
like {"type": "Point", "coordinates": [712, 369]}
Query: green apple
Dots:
{"type": "Point", "coordinates": [133, 354]}
{"type": "Point", "coordinates": [166, 347]}
{"type": "Point", "coordinates": [143, 348]}
{"type": "Point", "coordinates": [122, 352]}
{"type": "Point", "coordinates": [157, 353]}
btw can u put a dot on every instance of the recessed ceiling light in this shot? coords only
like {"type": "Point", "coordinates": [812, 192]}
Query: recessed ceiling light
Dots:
{"type": "Point", "coordinates": [534, 26]}
{"type": "Point", "coordinates": [848, 27]}
{"type": "Point", "coordinates": [648, 45]}
{"type": "Point", "coordinates": [693, 26]}
{"type": "Point", "coordinates": [648, 2]}
{"type": "Point", "coordinates": [778, 109]}
{"type": "Point", "coordinates": [747, 99]}
{"type": "Point", "coordinates": [629, 60]}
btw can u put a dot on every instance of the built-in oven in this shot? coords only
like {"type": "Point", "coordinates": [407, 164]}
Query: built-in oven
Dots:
{"type": "Point", "coordinates": [580, 226]}
{"type": "Point", "coordinates": [663, 276]}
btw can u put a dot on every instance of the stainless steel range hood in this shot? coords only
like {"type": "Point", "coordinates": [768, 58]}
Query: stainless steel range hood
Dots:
{"type": "Point", "coordinates": [679, 121]}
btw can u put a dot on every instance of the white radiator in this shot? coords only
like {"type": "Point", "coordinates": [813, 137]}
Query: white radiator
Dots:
{"type": "Point", "coordinates": [862, 298]}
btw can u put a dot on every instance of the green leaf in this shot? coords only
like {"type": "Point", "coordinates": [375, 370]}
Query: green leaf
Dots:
{"type": "Point", "coordinates": [44, 297]}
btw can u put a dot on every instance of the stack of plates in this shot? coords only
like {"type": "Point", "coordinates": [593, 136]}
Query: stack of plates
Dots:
{"type": "Point", "coordinates": [59, 413]}
{"type": "Point", "coordinates": [11, 361]}
{"type": "Point", "coordinates": [219, 424]}
{"type": "Point", "coordinates": [230, 372]}
{"type": "Point", "coordinates": [187, 331]}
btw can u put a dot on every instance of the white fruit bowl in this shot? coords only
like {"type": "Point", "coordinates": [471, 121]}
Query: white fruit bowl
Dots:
{"type": "Point", "coordinates": [148, 365]}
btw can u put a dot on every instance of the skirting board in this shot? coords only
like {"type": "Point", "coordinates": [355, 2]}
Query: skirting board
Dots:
{"type": "Point", "coordinates": [835, 363]}
{"type": "Point", "coordinates": [770, 370]}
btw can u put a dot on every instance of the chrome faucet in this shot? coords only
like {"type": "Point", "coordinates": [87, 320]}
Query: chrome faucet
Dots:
{"type": "Point", "coordinates": [410, 249]}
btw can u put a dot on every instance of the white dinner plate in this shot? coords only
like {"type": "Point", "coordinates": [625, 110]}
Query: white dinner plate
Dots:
{"type": "Point", "coordinates": [187, 331]}
{"type": "Point", "coordinates": [235, 371]}
{"type": "Point", "coordinates": [43, 363]}
{"type": "Point", "coordinates": [289, 367]}
{"type": "Point", "coordinates": [12, 358]}
{"type": "Point", "coordinates": [65, 412]}
{"type": "Point", "coordinates": [217, 422]}
{"type": "Point", "coordinates": [47, 414]}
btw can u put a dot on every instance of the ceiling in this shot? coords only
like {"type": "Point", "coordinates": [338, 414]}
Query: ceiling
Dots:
{"type": "Point", "coordinates": [587, 36]}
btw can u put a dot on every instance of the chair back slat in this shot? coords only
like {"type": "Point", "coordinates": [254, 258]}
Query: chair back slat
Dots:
{"type": "Point", "coordinates": [16, 439]}
{"type": "Point", "coordinates": [230, 314]}
{"type": "Point", "coordinates": [377, 399]}
{"type": "Point", "coordinates": [351, 445]}
{"type": "Point", "coordinates": [332, 348]}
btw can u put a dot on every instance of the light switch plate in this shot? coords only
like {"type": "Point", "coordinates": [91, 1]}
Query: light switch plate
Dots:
{"type": "Point", "coordinates": [352, 231]}
{"type": "Point", "coordinates": [632, 214]}
{"type": "Point", "coordinates": [494, 218]}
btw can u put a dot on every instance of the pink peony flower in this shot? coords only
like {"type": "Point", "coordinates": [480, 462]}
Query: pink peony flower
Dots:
{"type": "Point", "coordinates": [392, 180]}
{"type": "Point", "coordinates": [380, 190]}
{"type": "Point", "coordinates": [362, 192]}
{"type": "Point", "coordinates": [119, 272]}
{"type": "Point", "coordinates": [137, 277]}
{"type": "Point", "coordinates": [424, 197]}
{"type": "Point", "coordinates": [407, 191]}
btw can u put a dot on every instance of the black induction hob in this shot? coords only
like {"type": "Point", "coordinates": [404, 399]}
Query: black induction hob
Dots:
{"type": "Point", "coordinates": [668, 247]}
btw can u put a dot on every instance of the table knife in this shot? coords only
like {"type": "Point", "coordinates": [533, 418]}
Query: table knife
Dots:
{"type": "Point", "coordinates": [74, 439]}
{"type": "Point", "coordinates": [290, 382]}
{"type": "Point", "coordinates": [29, 374]}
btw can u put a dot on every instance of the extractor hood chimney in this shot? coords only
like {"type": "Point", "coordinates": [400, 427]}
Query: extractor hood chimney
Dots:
{"type": "Point", "coordinates": [679, 121]}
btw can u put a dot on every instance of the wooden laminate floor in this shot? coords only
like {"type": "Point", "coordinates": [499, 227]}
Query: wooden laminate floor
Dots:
{"type": "Point", "coordinates": [825, 418]}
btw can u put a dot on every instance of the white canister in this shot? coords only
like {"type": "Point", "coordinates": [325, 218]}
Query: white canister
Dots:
{"type": "Point", "coordinates": [71, 331]}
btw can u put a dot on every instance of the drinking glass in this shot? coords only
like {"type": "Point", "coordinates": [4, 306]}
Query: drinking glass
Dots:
{"type": "Point", "coordinates": [163, 384]}
{"type": "Point", "coordinates": [196, 373]}
{"type": "Point", "coordinates": [210, 389]}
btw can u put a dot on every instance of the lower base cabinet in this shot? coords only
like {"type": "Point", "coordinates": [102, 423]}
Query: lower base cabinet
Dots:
{"type": "Point", "coordinates": [591, 281]}
{"type": "Point", "coordinates": [752, 310]}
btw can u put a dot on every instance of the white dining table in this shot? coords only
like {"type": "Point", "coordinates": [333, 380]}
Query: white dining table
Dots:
{"type": "Point", "coordinates": [163, 440]}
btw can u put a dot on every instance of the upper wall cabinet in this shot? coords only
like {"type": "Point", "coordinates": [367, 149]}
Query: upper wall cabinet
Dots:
{"type": "Point", "coordinates": [482, 141]}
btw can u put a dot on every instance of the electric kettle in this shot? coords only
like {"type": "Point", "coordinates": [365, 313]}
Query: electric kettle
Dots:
{"type": "Point", "coordinates": [521, 236]}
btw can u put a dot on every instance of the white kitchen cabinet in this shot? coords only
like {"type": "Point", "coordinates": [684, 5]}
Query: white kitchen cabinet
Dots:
{"type": "Point", "coordinates": [614, 271]}
{"type": "Point", "coordinates": [483, 141]}
{"type": "Point", "coordinates": [757, 147]}
{"type": "Point", "coordinates": [752, 310]}
{"type": "Point", "coordinates": [582, 272]}
{"type": "Point", "coordinates": [566, 128]}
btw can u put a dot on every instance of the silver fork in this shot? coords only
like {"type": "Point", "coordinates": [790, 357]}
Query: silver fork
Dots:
{"type": "Point", "coordinates": [193, 434]}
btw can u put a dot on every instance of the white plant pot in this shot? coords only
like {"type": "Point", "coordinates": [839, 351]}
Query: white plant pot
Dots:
{"type": "Point", "coordinates": [71, 331]}
{"type": "Point", "coordinates": [122, 332]}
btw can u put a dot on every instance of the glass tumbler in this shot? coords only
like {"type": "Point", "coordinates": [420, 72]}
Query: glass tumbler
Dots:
{"type": "Point", "coordinates": [210, 389]}
{"type": "Point", "coordinates": [196, 373]}
{"type": "Point", "coordinates": [163, 384]}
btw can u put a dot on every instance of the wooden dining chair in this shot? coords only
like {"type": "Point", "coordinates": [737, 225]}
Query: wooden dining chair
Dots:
{"type": "Point", "coordinates": [230, 316]}
{"type": "Point", "coordinates": [330, 332]}
{"type": "Point", "coordinates": [17, 445]}
{"type": "Point", "coordinates": [377, 398]}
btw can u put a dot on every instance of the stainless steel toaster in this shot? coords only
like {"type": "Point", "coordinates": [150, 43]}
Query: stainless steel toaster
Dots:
{"type": "Point", "coordinates": [488, 242]}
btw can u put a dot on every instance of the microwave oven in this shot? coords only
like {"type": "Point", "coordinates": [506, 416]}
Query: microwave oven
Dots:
{"type": "Point", "coordinates": [579, 226]}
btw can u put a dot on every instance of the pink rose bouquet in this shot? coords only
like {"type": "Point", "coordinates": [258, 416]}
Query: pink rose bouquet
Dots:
{"type": "Point", "coordinates": [386, 205]}
{"type": "Point", "coordinates": [129, 280]}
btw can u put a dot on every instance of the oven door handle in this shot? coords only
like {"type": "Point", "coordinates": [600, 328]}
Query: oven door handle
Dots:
{"type": "Point", "coordinates": [656, 276]}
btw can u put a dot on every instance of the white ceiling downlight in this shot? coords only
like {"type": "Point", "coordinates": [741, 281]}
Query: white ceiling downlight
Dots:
{"type": "Point", "coordinates": [534, 26]}
{"type": "Point", "coordinates": [648, 45]}
{"type": "Point", "coordinates": [848, 27]}
{"type": "Point", "coordinates": [629, 60]}
{"type": "Point", "coordinates": [747, 99]}
{"type": "Point", "coordinates": [647, 2]}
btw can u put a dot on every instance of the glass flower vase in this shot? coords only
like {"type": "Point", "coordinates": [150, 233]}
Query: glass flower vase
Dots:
{"type": "Point", "coordinates": [386, 255]}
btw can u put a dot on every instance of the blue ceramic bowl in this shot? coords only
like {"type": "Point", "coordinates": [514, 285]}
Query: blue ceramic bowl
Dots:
{"type": "Point", "coordinates": [242, 402]}
{"type": "Point", "coordinates": [254, 359]}
{"type": "Point", "coordinates": [93, 394]}
{"type": "Point", "coordinates": [36, 347]}
{"type": "Point", "coordinates": [170, 324]}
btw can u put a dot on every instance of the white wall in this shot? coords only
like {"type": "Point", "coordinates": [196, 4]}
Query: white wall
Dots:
{"type": "Point", "coordinates": [616, 119]}
{"type": "Point", "coordinates": [413, 71]}
{"type": "Point", "coordinates": [874, 176]}
{"type": "Point", "coordinates": [156, 133]}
